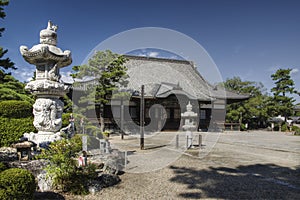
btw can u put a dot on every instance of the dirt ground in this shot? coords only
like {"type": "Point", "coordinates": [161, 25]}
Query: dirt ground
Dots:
{"type": "Point", "coordinates": [240, 165]}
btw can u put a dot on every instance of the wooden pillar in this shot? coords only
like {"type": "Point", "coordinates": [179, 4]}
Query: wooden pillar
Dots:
{"type": "Point", "coordinates": [142, 118]}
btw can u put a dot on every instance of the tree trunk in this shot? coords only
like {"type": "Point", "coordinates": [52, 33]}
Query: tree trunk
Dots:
{"type": "Point", "coordinates": [284, 112]}
{"type": "Point", "coordinates": [101, 123]}
{"type": "Point", "coordinates": [101, 118]}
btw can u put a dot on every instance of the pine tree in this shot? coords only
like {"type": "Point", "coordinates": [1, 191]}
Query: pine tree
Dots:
{"type": "Point", "coordinates": [253, 110]}
{"type": "Point", "coordinates": [5, 63]}
{"type": "Point", "coordinates": [284, 86]}
{"type": "Point", "coordinates": [109, 72]}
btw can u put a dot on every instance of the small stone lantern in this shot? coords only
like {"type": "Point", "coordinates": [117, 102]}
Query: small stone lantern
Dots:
{"type": "Point", "coordinates": [24, 150]}
{"type": "Point", "coordinates": [189, 119]}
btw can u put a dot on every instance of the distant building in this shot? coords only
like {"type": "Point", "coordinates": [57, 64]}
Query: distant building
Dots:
{"type": "Point", "coordinates": [171, 84]}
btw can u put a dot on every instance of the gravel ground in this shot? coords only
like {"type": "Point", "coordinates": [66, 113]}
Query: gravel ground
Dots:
{"type": "Point", "coordinates": [253, 165]}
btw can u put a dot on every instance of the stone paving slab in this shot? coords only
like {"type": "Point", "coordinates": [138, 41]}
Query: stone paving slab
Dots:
{"type": "Point", "coordinates": [241, 165]}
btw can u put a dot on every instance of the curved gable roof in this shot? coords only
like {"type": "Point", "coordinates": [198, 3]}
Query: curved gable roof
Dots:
{"type": "Point", "coordinates": [150, 71]}
{"type": "Point", "coordinates": [163, 77]}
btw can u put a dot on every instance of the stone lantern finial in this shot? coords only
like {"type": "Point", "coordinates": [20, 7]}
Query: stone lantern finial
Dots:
{"type": "Point", "coordinates": [49, 35]}
{"type": "Point", "coordinates": [51, 26]}
{"type": "Point", "coordinates": [189, 107]}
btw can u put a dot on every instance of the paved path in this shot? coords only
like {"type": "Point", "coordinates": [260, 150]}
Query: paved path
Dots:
{"type": "Point", "coordinates": [241, 165]}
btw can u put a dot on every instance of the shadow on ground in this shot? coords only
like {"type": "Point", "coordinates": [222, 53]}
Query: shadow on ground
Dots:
{"type": "Point", "coordinates": [48, 196]}
{"type": "Point", "coordinates": [257, 181]}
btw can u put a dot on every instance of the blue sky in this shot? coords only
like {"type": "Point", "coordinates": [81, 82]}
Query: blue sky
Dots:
{"type": "Point", "coordinates": [249, 39]}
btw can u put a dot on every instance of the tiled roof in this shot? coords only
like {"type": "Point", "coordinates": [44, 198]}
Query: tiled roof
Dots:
{"type": "Point", "coordinates": [155, 71]}
{"type": "Point", "coordinates": [163, 77]}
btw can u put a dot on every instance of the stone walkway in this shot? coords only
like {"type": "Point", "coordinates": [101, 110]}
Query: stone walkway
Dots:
{"type": "Point", "coordinates": [241, 165]}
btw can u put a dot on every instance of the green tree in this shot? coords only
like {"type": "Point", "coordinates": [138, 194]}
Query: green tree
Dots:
{"type": "Point", "coordinates": [5, 63]}
{"type": "Point", "coordinates": [68, 104]}
{"type": "Point", "coordinates": [244, 87]}
{"type": "Point", "coordinates": [254, 110]}
{"type": "Point", "coordinates": [109, 72]}
{"type": "Point", "coordinates": [297, 113]}
{"type": "Point", "coordinates": [284, 86]}
{"type": "Point", "coordinates": [12, 89]}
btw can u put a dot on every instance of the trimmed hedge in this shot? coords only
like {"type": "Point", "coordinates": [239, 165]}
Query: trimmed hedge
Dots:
{"type": "Point", "coordinates": [12, 129]}
{"type": "Point", "coordinates": [15, 109]}
{"type": "Point", "coordinates": [3, 167]}
{"type": "Point", "coordinates": [17, 183]}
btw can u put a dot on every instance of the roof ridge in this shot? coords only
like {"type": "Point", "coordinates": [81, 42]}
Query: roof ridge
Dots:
{"type": "Point", "coordinates": [157, 58]}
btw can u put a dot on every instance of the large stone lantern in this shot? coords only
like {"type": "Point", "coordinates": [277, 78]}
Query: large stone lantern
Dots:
{"type": "Point", "coordinates": [47, 87]}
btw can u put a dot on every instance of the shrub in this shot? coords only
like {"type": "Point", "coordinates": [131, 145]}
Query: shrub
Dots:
{"type": "Point", "coordinates": [106, 133]}
{"type": "Point", "coordinates": [3, 167]}
{"type": "Point", "coordinates": [76, 181]}
{"type": "Point", "coordinates": [12, 129]}
{"type": "Point", "coordinates": [17, 183]}
{"type": "Point", "coordinates": [296, 129]}
{"type": "Point", "coordinates": [243, 127]}
{"type": "Point", "coordinates": [15, 109]}
{"type": "Point", "coordinates": [63, 166]}
{"type": "Point", "coordinates": [65, 119]}
{"type": "Point", "coordinates": [284, 128]}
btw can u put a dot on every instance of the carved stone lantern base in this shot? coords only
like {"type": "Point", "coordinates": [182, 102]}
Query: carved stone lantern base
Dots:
{"type": "Point", "coordinates": [41, 138]}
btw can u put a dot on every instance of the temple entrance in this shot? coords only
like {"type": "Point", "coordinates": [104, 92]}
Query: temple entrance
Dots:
{"type": "Point", "coordinates": [154, 116]}
{"type": "Point", "coordinates": [173, 112]}
{"type": "Point", "coordinates": [173, 118]}
{"type": "Point", "coordinates": [170, 113]}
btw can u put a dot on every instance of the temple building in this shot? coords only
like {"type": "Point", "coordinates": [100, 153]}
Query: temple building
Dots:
{"type": "Point", "coordinates": [172, 84]}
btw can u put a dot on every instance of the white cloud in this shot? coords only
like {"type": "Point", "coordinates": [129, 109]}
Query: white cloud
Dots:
{"type": "Point", "coordinates": [153, 54]}
{"type": "Point", "coordinates": [142, 54]}
{"type": "Point", "coordinates": [23, 73]}
{"type": "Point", "coordinates": [156, 54]}
{"type": "Point", "coordinates": [294, 71]}
{"type": "Point", "coordinates": [295, 76]}
{"type": "Point", "coordinates": [65, 76]}
{"type": "Point", "coordinates": [148, 53]}
{"type": "Point", "coordinates": [175, 57]}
